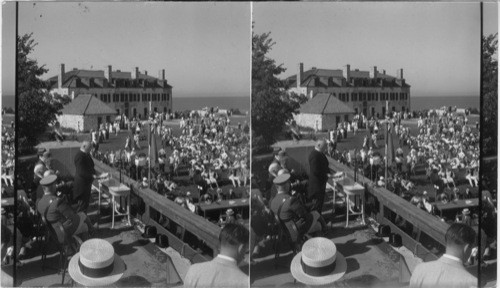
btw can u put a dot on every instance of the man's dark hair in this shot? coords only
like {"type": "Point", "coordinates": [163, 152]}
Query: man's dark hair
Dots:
{"type": "Point", "coordinates": [233, 235]}
{"type": "Point", "coordinates": [460, 234]}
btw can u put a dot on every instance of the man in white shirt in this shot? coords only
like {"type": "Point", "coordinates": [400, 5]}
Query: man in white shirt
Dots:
{"type": "Point", "coordinates": [449, 271]}
{"type": "Point", "coordinates": [223, 270]}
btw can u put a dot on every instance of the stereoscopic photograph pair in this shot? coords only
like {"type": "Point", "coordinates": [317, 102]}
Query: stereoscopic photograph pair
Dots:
{"type": "Point", "coordinates": [249, 144]}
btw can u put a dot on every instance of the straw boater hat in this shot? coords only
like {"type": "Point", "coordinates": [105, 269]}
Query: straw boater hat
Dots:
{"type": "Point", "coordinates": [96, 264]}
{"type": "Point", "coordinates": [318, 263]}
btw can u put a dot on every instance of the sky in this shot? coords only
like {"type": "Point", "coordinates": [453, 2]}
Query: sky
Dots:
{"type": "Point", "coordinates": [203, 47]}
{"type": "Point", "coordinates": [436, 44]}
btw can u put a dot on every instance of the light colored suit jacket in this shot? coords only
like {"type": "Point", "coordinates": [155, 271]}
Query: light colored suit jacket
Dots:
{"type": "Point", "coordinates": [444, 272]}
{"type": "Point", "coordinates": [217, 273]}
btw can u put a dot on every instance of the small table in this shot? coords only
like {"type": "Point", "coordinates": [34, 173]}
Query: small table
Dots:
{"type": "Point", "coordinates": [224, 205]}
{"type": "Point", "coordinates": [116, 190]}
{"type": "Point", "coordinates": [456, 205]}
{"type": "Point", "coordinates": [351, 189]}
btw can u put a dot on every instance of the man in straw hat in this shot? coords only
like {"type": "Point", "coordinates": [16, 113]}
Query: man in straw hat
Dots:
{"type": "Point", "coordinates": [449, 270]}
{"type": "Point", "coordinates": [57, 212]}
{"type": "Point", "coordinates": [290, 209]}
{"type": "Point", "coordinates": [223, 270]}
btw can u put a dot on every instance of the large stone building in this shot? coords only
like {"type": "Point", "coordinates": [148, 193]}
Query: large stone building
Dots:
{"type": "Point", "coordinates": [127, 93]}
{"type": "Point", "coordinates": [366, 92]}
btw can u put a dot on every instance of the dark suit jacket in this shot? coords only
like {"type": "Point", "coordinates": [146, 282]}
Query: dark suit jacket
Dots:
{"type": "Point", "coordinates": [318, 170]}
{"type": "Point", "coordinates": [84, 173]}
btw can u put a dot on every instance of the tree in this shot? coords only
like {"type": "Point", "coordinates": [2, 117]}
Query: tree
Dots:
{"type": "Point", "coordinates": [490, 94]}
{"type": "Point", "coordinates": [37, 108]}
{"type": "Point", "coordinates": [272, 106]}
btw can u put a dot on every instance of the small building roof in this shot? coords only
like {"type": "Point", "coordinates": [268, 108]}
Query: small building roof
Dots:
{"type": "Point", "coordinates": [86, 104]}
{"type": "Point", "coordinates": [325, 103]}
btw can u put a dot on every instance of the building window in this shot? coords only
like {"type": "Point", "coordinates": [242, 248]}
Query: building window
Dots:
{"type": "Point", "coordinates": [347, 97]}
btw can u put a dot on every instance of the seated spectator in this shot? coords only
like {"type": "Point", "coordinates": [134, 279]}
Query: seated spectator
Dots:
{"type": "Point", "coordinates": [471, 177]}
{"type": "Point", "coordinates": [58, 213]}
{"type": "Point", "coordinates": [145, 183]}
{"type": "Point", "coordinates": [291, 210]}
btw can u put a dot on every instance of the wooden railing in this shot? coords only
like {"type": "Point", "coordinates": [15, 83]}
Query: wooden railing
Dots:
{"type": "Point", "coordinates": [422, 221]}
{"type": "Point", "coordinates": [203, 229]}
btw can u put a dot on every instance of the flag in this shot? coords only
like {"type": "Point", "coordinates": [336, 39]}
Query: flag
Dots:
{"type": "Point", "coordinates": [390, 146]}
{"type": "Point", "coordinates": [153, 151]}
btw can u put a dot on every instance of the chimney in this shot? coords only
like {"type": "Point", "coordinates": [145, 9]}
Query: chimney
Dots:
{"type": "Point", "coordinates": [300, 73]}
{"type": "Point", "coordinates": [135, 73]}
{"type": "Point", "coordinates": [347, 73]}
{"type": "Point", "coordinates": [107, 73]}
{"type": "Point", "coordinates": [374, 72]}
{"type": "Point", "coordinates": [145, 72]}
{"type": "Point", "coordinates": [383, 71]}
{"type": "Point", "coordinates": [60, 79]}
{"type": "Point", "coordinates": [161, 74]}
{"type": "Point", "coordinates": [400, 74]}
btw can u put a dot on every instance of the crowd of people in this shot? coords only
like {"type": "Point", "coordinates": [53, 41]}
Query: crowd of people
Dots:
{"type": "Point", "coordinates": [7, 183]}
{"type": "Point", "coordinates": [210, 150]}
{"type": "Point", "coordinates": [442, 146]}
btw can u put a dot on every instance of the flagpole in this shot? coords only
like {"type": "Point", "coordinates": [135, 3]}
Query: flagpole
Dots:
{"type": "Point", "coordinates": [149, 133]}
{"type": "Point", "coordinates": [386, 139]}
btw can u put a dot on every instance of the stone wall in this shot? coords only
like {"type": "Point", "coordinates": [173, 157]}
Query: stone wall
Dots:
{"type": "Point", "coordinates": [313, 121]}
{"type": "Point", "coordinates": [71, 121]}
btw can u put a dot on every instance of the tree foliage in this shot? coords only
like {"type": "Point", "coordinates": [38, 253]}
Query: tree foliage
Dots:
{"type": "Point", "coordinates": [490, 94]}
{"type": "Point", "coordinates": [272, 106]}
{"type": "Point", "coordinates": [36, 108]}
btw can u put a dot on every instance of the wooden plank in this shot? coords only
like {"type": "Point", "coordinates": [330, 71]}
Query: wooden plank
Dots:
{"type": "Point", "coordinates": [411, 243]}
{"type": "Point", "coordinates": [199, 226]}
{"type": "Point", "coordinates": [422, 220]}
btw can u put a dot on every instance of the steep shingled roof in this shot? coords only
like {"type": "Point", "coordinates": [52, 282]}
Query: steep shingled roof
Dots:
{"type": "Point", "coordinates": [85, 104]}
{"type": "Point", "coordinates": [325, 103]}
{"type": "Point", "coordinates": [321, 78]}
{"type": "Point", "coordinates": [84, 75]}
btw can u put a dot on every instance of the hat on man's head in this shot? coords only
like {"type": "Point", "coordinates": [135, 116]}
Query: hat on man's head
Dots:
{"type": "Point", "coordinates": [229, 212]}
{"type": "Point", "coordinates": [319, 263]}
{"type": "Point", "coordinates": [281, 179]}
{"type": "Point", "coordinates": [48, 180]}
{"type": "Point", "coordinates": [47, 154]}
{"type": "Point", "coordinates": [41, 151]}
{"type": "Point", "coordinates": [96, 264]}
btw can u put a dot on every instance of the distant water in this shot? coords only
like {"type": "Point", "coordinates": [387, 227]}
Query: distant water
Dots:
{"type": "Point", "coordinates": [243, 103]}
{"type": "Point", "coordinates": [8, 101]}
{"type": "Point", "coordinates": [186, 103]}
{"type": "Point", "coordinates": [192, 103]}
{"type": "Point", "coordinates": [419, 103]}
